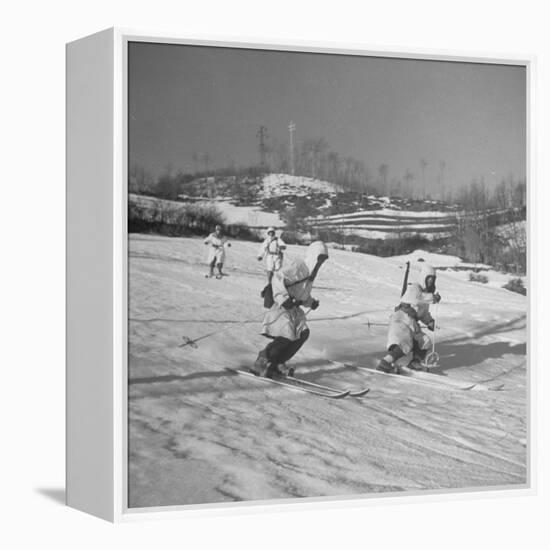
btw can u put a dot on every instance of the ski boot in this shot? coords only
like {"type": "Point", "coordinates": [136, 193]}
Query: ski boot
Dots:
{"type": "Point", "coordinates": [385, 366]}
{"type": "Point", "coordinates": [283, 370]}
{"type": "Point", "coordinates": [263, 367]}
{"type": "Point", "coordinates": [417, 364]}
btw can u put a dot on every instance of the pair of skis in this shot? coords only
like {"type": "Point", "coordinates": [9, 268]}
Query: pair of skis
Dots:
{"type": "Point", "coordinates": [427, 378]}
{"type": "Point", "coordinates": [218, 276]}
{"type": "Point", "coordinates": [423, 378]}
{"type": "Point", "coordinates": [304, 385]}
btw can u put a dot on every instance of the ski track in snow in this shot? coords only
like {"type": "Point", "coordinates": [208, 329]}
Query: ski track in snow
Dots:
{"type": "Point", "coordinates": [199, 434]}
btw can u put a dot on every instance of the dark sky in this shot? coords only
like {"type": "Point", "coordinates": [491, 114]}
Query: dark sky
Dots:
{"type": "Point", "coordinates": [186, 99]}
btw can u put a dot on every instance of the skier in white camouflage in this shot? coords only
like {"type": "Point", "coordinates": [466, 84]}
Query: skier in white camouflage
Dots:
{"type": "Point", "coordinates": [407, 343]}
{"type": "Point", "coordinates": [271, 250]}
{"type": "Point", "coordinates": [216, 253]}
{"type": "Point", "coordinates": [285, 322]}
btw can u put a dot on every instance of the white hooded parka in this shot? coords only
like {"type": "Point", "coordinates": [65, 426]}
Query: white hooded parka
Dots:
{"type": "Point", "coordinates": [292, 281]}
{"type": "Point", "coordinates": [403, 329]}
{"type": "Point", "coordinates": [271, 250]}
{"type": "Point", "coordinates": [216, 248]}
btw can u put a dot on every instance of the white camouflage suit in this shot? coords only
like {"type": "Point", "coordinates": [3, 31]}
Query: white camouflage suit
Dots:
{"type": "Point", "coordinates": [403, 329]}
{"type": "Point", "coordinates": [272, 251]}
{"type": "Point", "coordinates": [292, 281]}
{"type": "Point", "coordinates": [216, 249]}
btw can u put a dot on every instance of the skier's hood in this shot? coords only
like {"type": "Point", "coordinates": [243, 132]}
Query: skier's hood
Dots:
{"type": "Point", "coordinates": [270, 230]}
{"type": "Point", "coordinates": [426, 270]}
{"type": "Point", "coordinates": [314, 250]}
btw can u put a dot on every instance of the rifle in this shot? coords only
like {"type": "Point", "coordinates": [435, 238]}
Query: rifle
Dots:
{"type": "Point", "coordinates": [405, 279]}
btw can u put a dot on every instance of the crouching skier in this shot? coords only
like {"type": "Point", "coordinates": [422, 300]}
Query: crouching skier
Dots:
{"type": "Point", "coordinates": [216, 254]}
{"type": "Point", "coordinates": [285, 322]}
{"type": "Point", "coordinates": [407, 343]}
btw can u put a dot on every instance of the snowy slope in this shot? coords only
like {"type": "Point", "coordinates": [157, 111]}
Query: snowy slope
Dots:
{"type": "Point", "coordinates": [199, 434]}
{"type": "Point", "coordinates": [456, 268]}
{"type": "Point", "coordinates": [389, 223]}
{"type": "Point", "coordinates": [439, 261]}
{"type": "Point", "coordinates": [252, 216]}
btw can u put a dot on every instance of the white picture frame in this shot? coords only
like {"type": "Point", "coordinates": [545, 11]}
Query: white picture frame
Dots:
{"type": "Point", "coordinates": [97, 273]}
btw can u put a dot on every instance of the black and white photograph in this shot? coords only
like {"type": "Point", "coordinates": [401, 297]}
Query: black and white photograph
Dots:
{"type": "Point", "coordinates": [327, 275]}
{"type": "Point", "coordinates": [275, 275]}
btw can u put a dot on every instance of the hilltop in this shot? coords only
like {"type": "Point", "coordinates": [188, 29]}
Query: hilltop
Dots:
{"type": "Point", "coordinates": [305, 208]}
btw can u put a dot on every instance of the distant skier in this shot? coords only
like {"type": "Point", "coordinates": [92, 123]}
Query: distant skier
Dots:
{"type": "Point", "coordinates": [285, 322]}
{"type": "Point", "coordinates": [216, 254]}
{"type": "Point", "coordinates": [405, 336]}
{"type": "Point", "coordinates": [272, 250]}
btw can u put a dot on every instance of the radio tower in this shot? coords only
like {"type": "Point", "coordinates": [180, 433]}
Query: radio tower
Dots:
{"type": "Point", "coordinates": [291, 128]}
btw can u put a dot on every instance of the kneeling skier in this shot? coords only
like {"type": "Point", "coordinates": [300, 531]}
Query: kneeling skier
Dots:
{"type": "Point", "coordinates": [405, 335]}
{"type": "Point", "coordinates": [285, 322]}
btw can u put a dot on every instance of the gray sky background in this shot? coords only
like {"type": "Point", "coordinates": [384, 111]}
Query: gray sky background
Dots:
{"type": "Point", "coordinates": [185, 99]}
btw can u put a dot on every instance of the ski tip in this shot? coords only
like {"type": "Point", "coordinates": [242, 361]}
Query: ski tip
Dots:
{"type": "Point", "coordinates": [359, 393]}
{"type": "Point", "coordinates": [483, 387]}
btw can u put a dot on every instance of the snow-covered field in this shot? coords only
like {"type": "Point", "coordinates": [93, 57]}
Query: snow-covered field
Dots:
{"type": "Point", "coordinates": [389, 223]}
{"type": "Point", "coordinates": [252, 216]}
{"type": "Point", "coordinates": [199, 434]}
{"type": "Point", "coordinates": [272, 185]}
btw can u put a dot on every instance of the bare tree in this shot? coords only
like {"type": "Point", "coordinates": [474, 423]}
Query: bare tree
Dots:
{"type": "Point", "coordinates": [262, 147]}
{"type": "Point", "coordinates": [195, 158]}
{"type": "Point", "coordinates": [320, 147]}
{"type": "Point", "coordinates": [423, 166]}
{"type": "Point", "coordinates": [334, 167]}
{"type": "Point", "coordinates": [408, 178]}
{"type": "Point", "coordinates": [383, 171]}
{"type": "Point", "coordinates": [281, 157]}
{"type": "Point", "coordinates": [442, 166]}
{"type": "Point", "coordinates": [139, 180]}
{"type": "Point", "coordinates": [206, 161]}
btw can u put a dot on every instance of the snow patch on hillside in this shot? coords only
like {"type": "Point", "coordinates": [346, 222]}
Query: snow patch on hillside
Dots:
{"type": "Point", "coordinates": [439, 261]}
{"type": "Point", "coordinates": [246, 215]}
{"type": "Point", "coordinates": [453, 266]}
{"type": "Point", "coordinates": [391, 213]}
{"type": "Point", "coordinates": [275, 185]}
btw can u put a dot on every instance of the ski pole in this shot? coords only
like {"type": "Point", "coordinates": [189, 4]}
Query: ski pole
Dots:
{"type": "Point", "coordinates": [432, 359]}
{"type": "Point", "coordinates": [193, 342]}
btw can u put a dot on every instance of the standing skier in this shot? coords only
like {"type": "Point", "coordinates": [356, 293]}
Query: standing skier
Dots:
{"type": "Point", "coordinates": [405, 336]}
{"type": "Point", "coordinates": [285, 322]}
{"type": "Point", "coordinates": [272, 250]}
{"type": "Point", "coordinates": [216, 254]}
